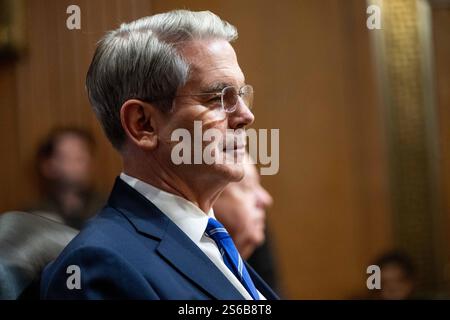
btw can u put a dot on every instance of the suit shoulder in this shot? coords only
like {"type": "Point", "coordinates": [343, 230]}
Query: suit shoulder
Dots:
{"type": "Point", "coordinates": [107, 251]}
{"type": "Point", "coordinates": [90, 272]}
{"type": "Point", "coordinates": [109, 227]}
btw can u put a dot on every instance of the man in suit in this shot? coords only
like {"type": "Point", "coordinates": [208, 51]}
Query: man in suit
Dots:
{"type": "Point", "coordinates": [157, 236]}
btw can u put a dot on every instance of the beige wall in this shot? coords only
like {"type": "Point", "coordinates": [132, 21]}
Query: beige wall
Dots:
{"type": "Point", "coordinates": [311, 66]}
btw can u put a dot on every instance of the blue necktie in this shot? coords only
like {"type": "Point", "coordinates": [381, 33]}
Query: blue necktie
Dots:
{"type": "Point", "coordinates": [216, 231]}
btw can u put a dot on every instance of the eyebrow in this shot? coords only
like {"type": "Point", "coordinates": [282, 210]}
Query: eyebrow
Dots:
{"type": "Point", "coordinates": [215, 87]}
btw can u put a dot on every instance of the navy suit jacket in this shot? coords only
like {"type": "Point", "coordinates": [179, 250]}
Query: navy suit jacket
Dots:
{"type": "Point", "coordinates": [131, 250]}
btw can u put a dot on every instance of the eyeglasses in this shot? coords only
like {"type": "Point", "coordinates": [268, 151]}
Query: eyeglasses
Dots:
{"type": "Point", "coordinates": [228, 97]}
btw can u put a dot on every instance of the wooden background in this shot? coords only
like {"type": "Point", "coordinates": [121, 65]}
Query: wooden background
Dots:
{"type": "Point", "coordinates": [441, 40]}
{"type": "Point", "coordinates": [311, 65]}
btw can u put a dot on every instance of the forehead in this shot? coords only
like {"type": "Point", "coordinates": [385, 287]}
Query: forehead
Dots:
{"type": "Point", "coordinates": [212, 62]}
{"type": "Point", "coordinates": [71, 143]}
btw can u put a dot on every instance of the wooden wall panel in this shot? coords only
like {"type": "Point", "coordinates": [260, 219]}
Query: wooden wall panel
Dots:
{"type": "Point", "coordinates": [441, 27]}
{"type": "Point", "coordinates": [10, 170]}
{"type": "Point", "coordinates": [50, 80]}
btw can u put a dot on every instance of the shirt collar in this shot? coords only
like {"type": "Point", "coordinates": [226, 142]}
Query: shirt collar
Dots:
{"type": "Point", "coordinates": [186, 215]}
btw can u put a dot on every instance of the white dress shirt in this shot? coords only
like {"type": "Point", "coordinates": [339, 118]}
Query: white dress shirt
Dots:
{"type": "Point", "coordinates": [192, 221]}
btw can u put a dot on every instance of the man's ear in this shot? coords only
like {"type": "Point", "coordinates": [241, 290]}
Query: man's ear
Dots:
{"type": "Point", "coordinates": [138, 121]}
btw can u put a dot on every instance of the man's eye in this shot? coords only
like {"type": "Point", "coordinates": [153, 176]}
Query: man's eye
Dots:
{"type": "Point", "coordinates": [215, 99]}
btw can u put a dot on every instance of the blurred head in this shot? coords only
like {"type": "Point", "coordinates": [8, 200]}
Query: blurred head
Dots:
{"type": "Point", "coordinates": [65, 158]}
{"type": "Point", "coordinates": [397, 276]}
{"type": "Point", "coordinates": [149, 78]}
{"type": "Point", "coordinates": [241, 208]}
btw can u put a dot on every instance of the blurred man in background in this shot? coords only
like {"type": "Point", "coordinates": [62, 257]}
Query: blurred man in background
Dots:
{"type": "Point", "coordinates": [64, 164]}
{"type": "Point", "coordinates": [242, 207]}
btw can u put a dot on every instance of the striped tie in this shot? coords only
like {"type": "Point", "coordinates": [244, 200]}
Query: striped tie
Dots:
{"type": "Point", "coordinates": [216, 231]}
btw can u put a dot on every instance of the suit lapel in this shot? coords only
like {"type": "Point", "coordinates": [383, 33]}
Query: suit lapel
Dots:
{"type": "Point", "coordinates": [175, 246]}
{"type": "Point", "coordinates": [188, 259]}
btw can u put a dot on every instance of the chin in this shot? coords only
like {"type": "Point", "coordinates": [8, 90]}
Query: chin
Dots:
{"type": "Point", "coordinates": [231, 172]}
{"type": "Point", "coordinates": [234, 165]}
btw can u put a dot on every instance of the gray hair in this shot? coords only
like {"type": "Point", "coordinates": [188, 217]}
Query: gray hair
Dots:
{"type": "Point", "coordinates": [140, 60]}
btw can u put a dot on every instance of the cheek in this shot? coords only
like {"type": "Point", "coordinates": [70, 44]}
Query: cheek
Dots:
{"type": "Point", "coordinates": [257, 214]}
{"type": "Point", "coordinates": [202, 131]}
{"type": "Point", "coordinates": [238, 215]}
{"type": "Point", "coordinates": [195, 119]}
{"type": "Point", "coordinates": [209, 117]}
{"type": "Point", "coordinates": [248, 213]}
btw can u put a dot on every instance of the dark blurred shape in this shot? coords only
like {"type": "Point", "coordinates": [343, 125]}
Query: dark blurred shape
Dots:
{"type": "Point", "coordinates": [397, 276]}
{"type": "Point", "coordinates": [264, 261]}
{"type": "Point", "coordinates": [12, 28]}
{"type": "Point", "coordinates": [27, 244]}
{"type": "Point", "coordinates": [64, 165]}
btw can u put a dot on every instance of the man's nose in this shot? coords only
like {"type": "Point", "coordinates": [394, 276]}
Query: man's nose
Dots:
{"type": "Point", "coordinates": [241, 117]}
{"type": "Point", "coordinates": [264, 198]}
